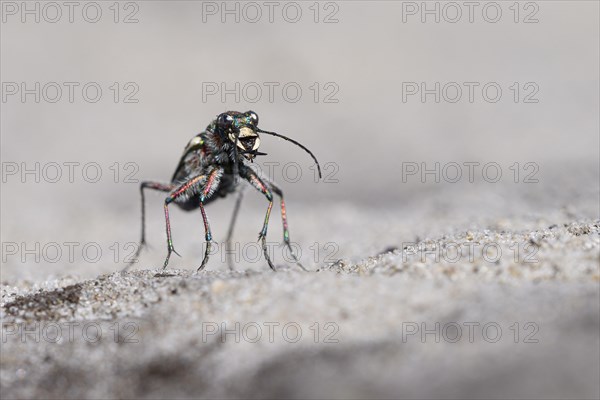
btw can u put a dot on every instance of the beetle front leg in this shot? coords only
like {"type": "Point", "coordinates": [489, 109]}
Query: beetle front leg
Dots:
{"type": "Point", "coordinates": [180, 191]}
{"type": "Point", "coordinates": [212, 183]}
{"type": "Point", "coordinates": [255, 181]}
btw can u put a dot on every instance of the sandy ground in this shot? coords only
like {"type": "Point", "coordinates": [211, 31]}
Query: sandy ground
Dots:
{"type": "Point", "coordinates": [507, 307]}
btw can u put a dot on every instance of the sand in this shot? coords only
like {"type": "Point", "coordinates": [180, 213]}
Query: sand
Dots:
{"type": "Point", "coordinates": [419, 322]}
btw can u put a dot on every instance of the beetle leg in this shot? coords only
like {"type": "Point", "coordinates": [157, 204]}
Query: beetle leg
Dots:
{"type": "Point", "coordinates": [262, 187]}
{"type": "Point", "coordinates": [179, 191]}
{"type": "Point", "coordinates": [286, 232]}
{"type": "Point", "coordinates": [162, 187]}
{"type": "Point", "coordinates": [209, 187]}
{"type": "Point", "coordinates": [236, 210]}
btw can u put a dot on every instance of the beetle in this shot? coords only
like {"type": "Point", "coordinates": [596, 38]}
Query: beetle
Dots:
{"type": "Point", "coordinates": [211, 164]}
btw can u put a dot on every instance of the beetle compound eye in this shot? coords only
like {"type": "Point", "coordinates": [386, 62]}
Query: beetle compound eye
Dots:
{"type": "Point", "coordinates": [224, 120]}
{"type": "Point", "coordinates": [253, 117]}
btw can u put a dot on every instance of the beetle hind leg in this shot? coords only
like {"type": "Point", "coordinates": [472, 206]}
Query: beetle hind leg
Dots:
{"type": "Point", "coordinates": [161, 187]}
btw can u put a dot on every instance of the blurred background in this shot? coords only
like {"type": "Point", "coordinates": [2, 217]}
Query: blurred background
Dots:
{"type": "Point", "coordinates": [435, 123]}
{"type": "Point", "coordinates": [374, 89]}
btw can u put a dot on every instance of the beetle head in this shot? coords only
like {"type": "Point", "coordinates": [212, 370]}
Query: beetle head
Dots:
{"type": "Point", "coordinates": [241, 130]}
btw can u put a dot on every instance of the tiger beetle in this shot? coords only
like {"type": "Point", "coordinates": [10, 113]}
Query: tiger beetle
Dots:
{"type": "Point", "coordinates": [209, 168]}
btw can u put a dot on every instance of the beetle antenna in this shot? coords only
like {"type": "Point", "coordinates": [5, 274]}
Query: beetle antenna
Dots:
{"type": "Point", "coordinates": [297, 144]}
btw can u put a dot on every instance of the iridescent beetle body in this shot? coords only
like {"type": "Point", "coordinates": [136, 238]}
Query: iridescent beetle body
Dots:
{"type": "Point", "coordinates": [209, 169]}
